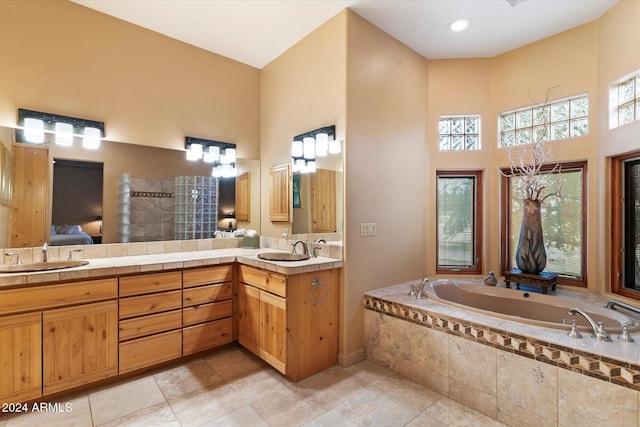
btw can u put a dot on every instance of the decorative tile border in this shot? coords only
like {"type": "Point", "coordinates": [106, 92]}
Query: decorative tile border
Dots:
{"type": "Point", "coordinates": [600, 367]}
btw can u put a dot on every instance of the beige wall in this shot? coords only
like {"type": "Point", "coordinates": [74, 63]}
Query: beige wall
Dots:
{"type": "Point", "coordinates": [63, 58]}
{"type": "Point", "coordinates": [386, 170]}
{"type": "Point", "coordinates": [302, 90]}
{"type": "Point", "coordinates": [463, 87]}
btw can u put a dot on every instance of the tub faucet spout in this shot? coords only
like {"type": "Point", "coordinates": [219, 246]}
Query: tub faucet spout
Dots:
{"type": "Point", "coordinates": [417, 291]}
{"type": "Point", "coordinates": [599, 332]}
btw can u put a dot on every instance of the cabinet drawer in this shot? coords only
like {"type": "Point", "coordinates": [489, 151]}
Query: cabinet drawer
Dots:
{"type": "Point", "coordinates": [149, 304]}
{"type": "Point", "coordinates": [208, 275]}
{"type": "Point", "coordinates": [270, 282]}
{"type": "Point", "coordinates": [149, 283]}
{"type": "Point", "coordinates": [208, 335]}
{"type": "Point", "coordinates": [206, 294]}
{"type": "Point", "coordinates": [206, 312]}
{"type": "Point", "coordinates": [49, 296]}
{"type": "Point", "coordinates": [148, 351]}
{"type": "Point", "coordinates": [152, 324]}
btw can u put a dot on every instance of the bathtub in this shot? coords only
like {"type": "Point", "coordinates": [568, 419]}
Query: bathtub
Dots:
{"type": "Point", "coordinates": [525, 307]}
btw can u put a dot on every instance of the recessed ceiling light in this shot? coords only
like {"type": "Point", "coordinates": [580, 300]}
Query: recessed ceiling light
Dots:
{"type": "Point", "coordinates": [459, 24]}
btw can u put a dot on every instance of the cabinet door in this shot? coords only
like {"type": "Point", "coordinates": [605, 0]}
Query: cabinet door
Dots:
{"type": "Point", "coordinates": [273, 330]}
{"type": "Point", "coordinates": [279, 193]}
{"type": "Point", "coordinates": [323, 201]}
{"type": "Point", "coordinates": [20, 357]}
{"type": "Point", "coordinates": [80, 345]}
{"type": "Point", "coordinates": [243, 190]}
{"type": "Point", "coordinates": [249, 318]}
{"type": "Point", "coordinates": [30, 196]}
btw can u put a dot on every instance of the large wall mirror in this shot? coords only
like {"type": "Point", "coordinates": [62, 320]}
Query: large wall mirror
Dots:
{"type": "Point", "coordinates": [156, 168]}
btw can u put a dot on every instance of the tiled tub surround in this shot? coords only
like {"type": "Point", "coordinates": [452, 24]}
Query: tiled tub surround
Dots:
{"type": "Point", "coordinates": [519, 374]}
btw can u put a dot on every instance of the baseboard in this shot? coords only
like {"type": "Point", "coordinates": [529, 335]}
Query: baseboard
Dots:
{"type": "Point", "coordinates": [351, 358]}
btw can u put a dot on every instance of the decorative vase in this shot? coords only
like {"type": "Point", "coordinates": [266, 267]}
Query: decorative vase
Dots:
{"type": "Point", "coordinates": [531, 257]}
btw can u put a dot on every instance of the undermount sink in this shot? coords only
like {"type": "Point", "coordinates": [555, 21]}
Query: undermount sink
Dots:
{"type": "Point", "coordinates": [282, 256]}
{"type": "Point", "coordinates": [40, 266]}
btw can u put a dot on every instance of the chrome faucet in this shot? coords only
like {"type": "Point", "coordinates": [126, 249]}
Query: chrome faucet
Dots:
{"type": "Point", "coordinates": [599, 333]}
{"type": "Point", "coordinates": [17, 255]}
{"type": "Point", "coordinates": [418, 292]}
{"type": "Point", "coordinates": [305, 248]}
{"type": "Point", "coordinates": [320, 241]}
{"type": "Point", "coordinates": [45, 252]}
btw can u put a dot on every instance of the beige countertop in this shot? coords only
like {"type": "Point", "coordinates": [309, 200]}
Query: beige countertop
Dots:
{"type": "Point", "coordinates": [115, 266]}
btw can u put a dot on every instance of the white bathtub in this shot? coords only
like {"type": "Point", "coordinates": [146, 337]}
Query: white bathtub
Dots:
{"type": "Point", "coordinates": [525, 307]}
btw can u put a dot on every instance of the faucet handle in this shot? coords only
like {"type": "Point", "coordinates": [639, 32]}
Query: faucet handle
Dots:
{"type": "Point", "coordinates": [413, 292]}
{"type": "Point", "coordinates": [71, 251]}
{"type": "Point", "coordinates": [625, 335]}
{"type": "Point", "coordinates": [573, 333]}
{"type": "Point", "coordinates": [17, 255]}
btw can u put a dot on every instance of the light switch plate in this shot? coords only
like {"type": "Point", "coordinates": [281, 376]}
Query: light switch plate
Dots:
{"type": "Point", "coordinates": [367, 229]}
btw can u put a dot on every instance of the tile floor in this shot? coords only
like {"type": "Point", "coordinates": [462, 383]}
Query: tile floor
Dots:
{"type": "Point", "coordinates": [231, 387]}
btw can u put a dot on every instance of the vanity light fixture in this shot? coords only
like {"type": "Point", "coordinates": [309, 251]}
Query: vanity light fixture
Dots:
{"type": "Point", "coordinates": [35, 124]}
{"type": "Point", "coordinates": [306, 147]}
{"type": "Point", "coordinates": [222, 155]}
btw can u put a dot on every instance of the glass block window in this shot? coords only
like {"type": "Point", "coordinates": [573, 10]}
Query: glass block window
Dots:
{"type": "Point", "coordinates": [560, 119]}
{"type": "Point", "coordinates": [459, 133]}
{"type": "Point", "coordinates": [625, 101]}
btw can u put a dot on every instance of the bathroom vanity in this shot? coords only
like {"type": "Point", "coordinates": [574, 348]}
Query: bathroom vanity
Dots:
{"type": "Point", "coordinates": [60, 331]}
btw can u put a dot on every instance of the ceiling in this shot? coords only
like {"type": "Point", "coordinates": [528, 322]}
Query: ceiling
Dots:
{"type": "Point", "coordinates": [256, 32]}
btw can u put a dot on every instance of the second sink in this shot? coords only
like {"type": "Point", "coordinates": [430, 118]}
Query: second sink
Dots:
{"type": "Point", "coordinates": [282, 256]}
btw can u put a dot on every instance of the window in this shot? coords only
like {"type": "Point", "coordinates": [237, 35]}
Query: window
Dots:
{"type": "Point", "coordinates": [625, 218]}
{"type": "Point", "coordinates": [625, 101]}
{"type": "Point", "coordinates": [459, 133]}
{"type": "Point", "coordinates": [563, 223]}
{"type": "Point", "coordinates": [565, 118]}
{"type": "Point", "coordinates": [459, 231]}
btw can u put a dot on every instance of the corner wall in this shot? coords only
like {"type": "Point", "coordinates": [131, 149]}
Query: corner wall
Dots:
{"type": "Point", "coordinates": [386, 174]}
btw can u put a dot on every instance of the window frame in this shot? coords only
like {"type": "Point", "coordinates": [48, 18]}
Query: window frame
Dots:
{"type": "Point", "coordinates": [617, 218]}
{"type": "Point", "coordinates": [478, 215]}
{"type": "Point", "coordinates": [505, 220]}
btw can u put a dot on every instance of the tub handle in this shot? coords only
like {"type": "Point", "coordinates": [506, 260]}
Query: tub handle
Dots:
{"type": "Point", "coordinates": [625, 336]}
{"type": "Point", "coordinates": [573, 333]}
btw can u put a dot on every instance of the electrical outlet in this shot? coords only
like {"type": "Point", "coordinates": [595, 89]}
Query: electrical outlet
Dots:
{"type": "Point", "coordinates": [367, 229]}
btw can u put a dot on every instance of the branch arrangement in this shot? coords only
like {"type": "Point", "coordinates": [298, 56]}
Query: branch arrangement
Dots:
{"type": "Point", "coordinates": [528, 160]}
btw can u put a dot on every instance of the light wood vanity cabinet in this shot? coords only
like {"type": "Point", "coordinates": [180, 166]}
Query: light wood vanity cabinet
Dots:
{"type": "Point", "coordinates": [55, 337]}
{"type": "Point", "coordinates": [150, 319]}
{"type": "Point", "coordinates": [207, 311]}
{"type": "Point", "coordinates": [20, 357]}
{"type": "Point", "coordinates": [291, 322]}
